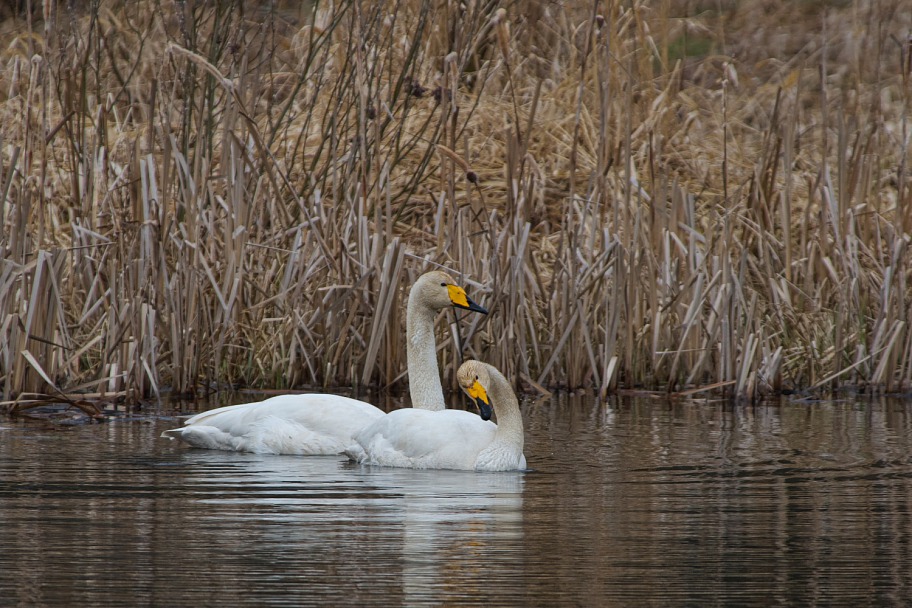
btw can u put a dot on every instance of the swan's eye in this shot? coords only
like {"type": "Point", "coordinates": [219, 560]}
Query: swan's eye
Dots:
{"type": "Point", "coordinates": [443, 284]}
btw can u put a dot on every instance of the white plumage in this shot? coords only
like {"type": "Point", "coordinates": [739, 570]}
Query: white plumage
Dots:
{"type": "Point", "coordinates": [450, 439]}
{"type": "Point", "coordinates": [304, 425]}
{"type": "Point", "coordinates": [323, 424]}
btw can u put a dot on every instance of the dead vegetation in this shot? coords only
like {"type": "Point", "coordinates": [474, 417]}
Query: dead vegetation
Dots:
{"type": "Point", "coordinates": [670, 195]}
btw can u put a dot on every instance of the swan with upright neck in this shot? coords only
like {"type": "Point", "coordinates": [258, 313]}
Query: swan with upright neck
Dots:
{"type": "Point", "coordinates": [324, 424]}
{"type": "Point", "coordinates": [450, 439]}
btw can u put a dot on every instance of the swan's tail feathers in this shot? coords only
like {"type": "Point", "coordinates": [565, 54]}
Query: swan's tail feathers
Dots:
{"type": "Point", "coordinates": [172, 434]}
{"type": "Point", "coordinates": [201, 436]}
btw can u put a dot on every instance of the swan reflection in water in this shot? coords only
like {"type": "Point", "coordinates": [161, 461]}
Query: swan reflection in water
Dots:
{"type": "Point", "coordinates": [437, 527]}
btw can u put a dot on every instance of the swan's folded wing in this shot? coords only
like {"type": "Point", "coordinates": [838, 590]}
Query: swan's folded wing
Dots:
{"type": "Point", "coordinates": [311, 424]}
{"type": "Point", "coordinates": [448, 439]}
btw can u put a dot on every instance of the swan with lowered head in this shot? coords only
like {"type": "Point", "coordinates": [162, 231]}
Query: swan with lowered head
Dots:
{"type": "Point", "coordinates": [323, 424]}
{"type": "Point", "coordinates": [450, 439]}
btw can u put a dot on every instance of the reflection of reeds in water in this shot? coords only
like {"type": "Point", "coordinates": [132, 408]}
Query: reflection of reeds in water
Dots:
{"type": "Point", "coordinates": [197, 194]}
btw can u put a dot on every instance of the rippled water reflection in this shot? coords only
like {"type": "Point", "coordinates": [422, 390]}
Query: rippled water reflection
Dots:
{"type": "Point", "coordinates": [630, 503]}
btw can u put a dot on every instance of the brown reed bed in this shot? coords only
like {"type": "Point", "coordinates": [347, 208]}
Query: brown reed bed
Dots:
{"type": "Point", "coordinates": [679, 196]}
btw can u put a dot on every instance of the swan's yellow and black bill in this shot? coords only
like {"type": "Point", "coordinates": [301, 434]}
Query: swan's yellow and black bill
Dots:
{"type": "Point", "coordinates": [460, 299]}
{"type": "Point", "coordinates": [480, 396]}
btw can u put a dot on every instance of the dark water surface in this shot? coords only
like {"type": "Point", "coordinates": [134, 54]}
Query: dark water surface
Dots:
{"type": "Point", "coordinates": [630, 503]}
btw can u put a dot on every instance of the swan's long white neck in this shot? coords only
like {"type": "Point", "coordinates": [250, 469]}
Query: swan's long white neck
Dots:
{"type": "Point", "coordinates": [421, 350]}
{"type": "Point", "coordinates": [506, 406]}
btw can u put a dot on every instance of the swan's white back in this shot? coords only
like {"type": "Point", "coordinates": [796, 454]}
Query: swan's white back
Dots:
{"type": "Point", "coordinates": [305, 425]}
{"type": "Point", "coordinates": [420, 439]}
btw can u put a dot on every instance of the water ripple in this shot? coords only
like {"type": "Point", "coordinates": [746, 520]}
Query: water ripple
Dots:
{"type": "Point", "coordinates": [627, 503]}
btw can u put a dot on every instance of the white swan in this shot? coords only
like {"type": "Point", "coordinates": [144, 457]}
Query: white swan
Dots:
{"type": "Point", "coordinates": [323, 424]}
{"type": "Point", "coordinates": [450, 439]}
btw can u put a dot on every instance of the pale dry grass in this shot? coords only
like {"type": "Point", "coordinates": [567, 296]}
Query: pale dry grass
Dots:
{"type": "Point", "coordinates": [645, 194]}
